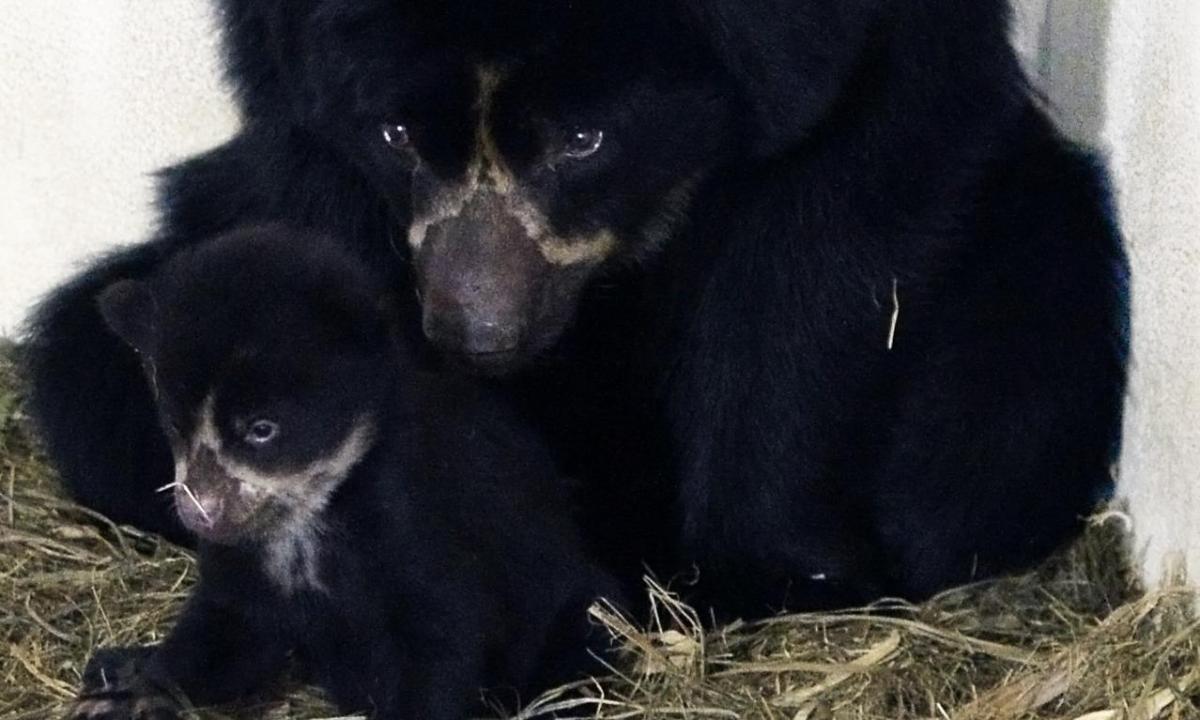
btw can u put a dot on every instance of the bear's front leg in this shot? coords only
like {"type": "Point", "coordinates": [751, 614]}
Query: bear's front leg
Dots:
{"type": "Point", "coordinates": [121, 684]}
{"type": "Point", "coordinates": [440, 678]}
{"type": "Point", "coordinates": [443, 690]}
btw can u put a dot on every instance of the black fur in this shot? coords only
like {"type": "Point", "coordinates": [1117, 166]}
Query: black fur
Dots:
{"type": "Point", "coordinates": [731, 383]}
{"type": "Point", "coordinates": [447, 560]}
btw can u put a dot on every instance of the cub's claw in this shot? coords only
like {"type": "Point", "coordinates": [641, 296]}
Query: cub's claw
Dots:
{"type": "Point", "coordinates": [118, 685]}
{"type": "Point", "coordinates": [124, 709]}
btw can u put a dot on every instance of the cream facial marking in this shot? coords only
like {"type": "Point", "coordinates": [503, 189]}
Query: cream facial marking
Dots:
{"type": "Point", "coordinates": [291, 549]}
{"type": "Point", "coordinates": [447, 204]}
{"type": "Point", "coordinates": [331, 469]}
{"type": "Point", "coordinates": [489, 174]}
{"type": "Point", "coordinates": [488, 165]}
{"type": "Point", "coordinates": [292, 553]}
{"type": "Point", "coordinates": [191, 496]}
{"type": "Point", "coordinates": [578, 251]}
{"type": "Point", "coordinates": [292, 559]}
{"type": "Point", "coordinates": [658, 230]}
{"type": "Point", "coordinates": [486, 171]}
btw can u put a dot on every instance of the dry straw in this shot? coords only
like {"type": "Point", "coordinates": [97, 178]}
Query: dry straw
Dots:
{"type": "Point", "coordinates": [1072, 641]}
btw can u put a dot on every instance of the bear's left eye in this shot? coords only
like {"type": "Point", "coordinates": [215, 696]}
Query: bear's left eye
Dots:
{"type": "Point", "coordinates": [395, 135]}
{"type": "Point", "coordinates": [581, 143]}
{"type": "Point", "coordinates": [262, 432]}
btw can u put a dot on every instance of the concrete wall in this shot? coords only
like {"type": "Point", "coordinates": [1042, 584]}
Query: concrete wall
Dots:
{"type": "Point", "coordinates": [94, 96]}
{"type": "Point", "coordinates": [1153, 129]}
{"type": "Point", "coordinates": [1124, 76]}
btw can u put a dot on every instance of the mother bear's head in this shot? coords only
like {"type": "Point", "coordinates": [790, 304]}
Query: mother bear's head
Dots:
{"type": "Point", "coordinates": [524, 146]}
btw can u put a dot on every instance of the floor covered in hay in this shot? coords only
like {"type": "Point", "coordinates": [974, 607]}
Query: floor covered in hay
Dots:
{"type": "Point", "coordinates": [1072, 641]}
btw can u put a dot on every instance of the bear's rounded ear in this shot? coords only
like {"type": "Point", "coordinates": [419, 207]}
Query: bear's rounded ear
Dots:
{"type": "Point", "coordinates": [791, 59]}
{"type": "Point", "coordinates": [128, 308]}
{"type": "Point", "coordinates": [252, 62]}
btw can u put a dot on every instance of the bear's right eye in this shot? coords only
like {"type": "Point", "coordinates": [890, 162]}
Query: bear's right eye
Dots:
{"type": "Point", "coordinates": [582, 142]}
{"type": "Point", "coordinates": [395, 135]}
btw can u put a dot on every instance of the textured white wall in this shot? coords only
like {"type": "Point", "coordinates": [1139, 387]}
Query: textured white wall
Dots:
{"type": "Point", "coordinates": [1125, 75]}
{"type": "Point", "coordinates": [94, 96]}
{"type": "Point", "coordinates": [1153, 129]}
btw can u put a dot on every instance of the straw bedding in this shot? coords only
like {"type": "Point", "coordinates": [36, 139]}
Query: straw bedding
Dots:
{"type": "Point", "coordinates": [1074, 640]}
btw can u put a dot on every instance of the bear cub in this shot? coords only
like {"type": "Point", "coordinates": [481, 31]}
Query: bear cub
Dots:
{"type": "Point", "coordinates": [400, 535]}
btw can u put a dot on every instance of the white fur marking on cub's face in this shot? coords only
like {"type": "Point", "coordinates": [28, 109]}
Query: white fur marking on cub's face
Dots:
{"type": "Point", "coordinates": [325, 473]}
{"type": "Point", "coordinates": [291, 559]}
{"type": "Point", "coordinates": [291, 548]}
{"type": "Point", "coordinates": [181, 469]}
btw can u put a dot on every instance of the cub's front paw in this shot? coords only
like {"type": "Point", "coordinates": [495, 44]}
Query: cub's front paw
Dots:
{"type": "Point", "coordinates": [118, 685]}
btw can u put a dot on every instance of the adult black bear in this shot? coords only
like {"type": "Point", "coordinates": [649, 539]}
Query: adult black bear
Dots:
{"type": "Point", "coordinates": [401, 534]}
{"type": "Point", "coordinates": [812, 284]}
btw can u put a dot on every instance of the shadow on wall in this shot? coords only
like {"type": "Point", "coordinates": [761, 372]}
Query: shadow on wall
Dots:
{"type": "Point", "coordinates": [1069, 65]}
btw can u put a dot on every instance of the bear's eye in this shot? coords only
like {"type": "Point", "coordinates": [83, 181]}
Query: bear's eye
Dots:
{"type": "Point", "coordinates": [262, 432]}
{"type": "Point", "coordinates": [582, 143]}
{"type": "Point", "coordinates": [396, 136]}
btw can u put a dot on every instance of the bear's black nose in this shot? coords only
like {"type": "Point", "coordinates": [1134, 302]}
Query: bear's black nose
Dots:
{"type": "Point", "coordinates": [471, 333]}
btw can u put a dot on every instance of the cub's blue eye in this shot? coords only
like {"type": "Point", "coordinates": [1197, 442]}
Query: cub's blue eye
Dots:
{"type": "Point", "coordinates": [396, 136]}
{"type": "Point", "coordinates": [262, 432]}
{"type": "Point", "coordinates": [583, 143]}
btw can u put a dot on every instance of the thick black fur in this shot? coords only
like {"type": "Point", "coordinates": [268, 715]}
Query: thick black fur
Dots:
{"type": "Point", "coordinates": [447, 561]}
{"type": "Point", "coordinates": [734, 385]}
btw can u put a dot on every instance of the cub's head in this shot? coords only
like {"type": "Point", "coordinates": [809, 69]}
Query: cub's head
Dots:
{"type": "Point", "coordinates": [268, 354]}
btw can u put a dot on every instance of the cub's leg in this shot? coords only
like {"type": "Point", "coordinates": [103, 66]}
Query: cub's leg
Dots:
{"type": "Point", "coordinates": [118, 686]}
{"type": "Point", "coordinates": [214, 655]}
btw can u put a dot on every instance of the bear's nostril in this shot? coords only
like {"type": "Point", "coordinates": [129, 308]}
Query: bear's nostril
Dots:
{"type": "Point", "coordinates": [429, 327]}
{"type": "Point", "coordinates": [471, 330]}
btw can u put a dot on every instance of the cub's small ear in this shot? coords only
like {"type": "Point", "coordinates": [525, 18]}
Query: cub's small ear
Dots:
{"type": "Point", "coordinates": [128, 308]}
